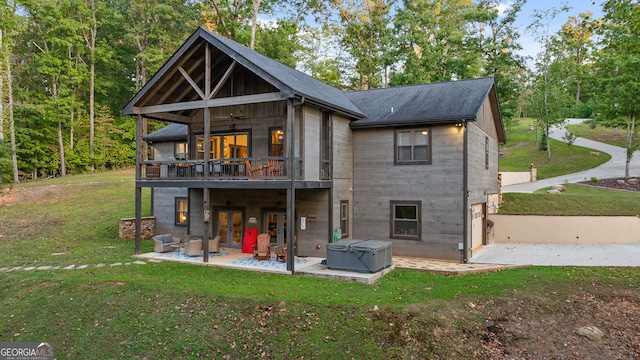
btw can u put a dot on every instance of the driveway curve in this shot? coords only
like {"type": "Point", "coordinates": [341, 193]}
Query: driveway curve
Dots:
{"type": "Point", "coordinates": [542, 254]}
{"type": "Point", "coordinates": [611, 169]}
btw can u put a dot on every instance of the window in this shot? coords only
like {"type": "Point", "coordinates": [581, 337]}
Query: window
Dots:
{"type": "Point", "coordinates": [344, 218]}
{"type": "Point", "coordinates": [325, 146]}
{"type": "Point", "coordinates": [406, 220]}
{"type": "Point", "coordinates": [276, 142]}
{"type": "Point", "coordinates": [181, 150]}
{"type": "Point", "coordinates": [413, 146]}
{"type": "Point", "coordinates": [486, 152]}
{"type": "Point", "coordinates": [182, 211]}
{"type": "Point", "coordinates": [227, 146]}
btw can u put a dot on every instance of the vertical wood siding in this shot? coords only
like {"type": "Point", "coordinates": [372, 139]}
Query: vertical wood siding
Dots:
{"type": "Point", "coordinates": [438, 186]}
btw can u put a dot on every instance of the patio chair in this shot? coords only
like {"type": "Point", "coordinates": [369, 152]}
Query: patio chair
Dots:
{"type": "Point", "coordinates": [193, 248]}
{"type": "Point", "coordinates": [262, 248]}
{"type": "Point", "coordinates": [281, 253]}
{"type": "Point", "coordinates": [164, 243]}
{"type": "Point", "coordinates": [214, 244]}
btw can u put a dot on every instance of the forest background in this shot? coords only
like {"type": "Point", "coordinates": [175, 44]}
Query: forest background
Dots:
{"type": "Point", "coordinates": [67, 67]}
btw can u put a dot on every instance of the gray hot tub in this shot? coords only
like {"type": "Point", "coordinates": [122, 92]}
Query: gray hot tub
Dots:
{"type": "Point", "coordinates": [359, 255]}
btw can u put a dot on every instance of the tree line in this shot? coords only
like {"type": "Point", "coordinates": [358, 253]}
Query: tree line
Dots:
{"type": "Point", "coordinates": [67, 67]}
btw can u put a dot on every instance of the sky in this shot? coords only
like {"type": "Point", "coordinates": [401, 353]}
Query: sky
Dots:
{"type": "Point", "coordinates": [527, 40]}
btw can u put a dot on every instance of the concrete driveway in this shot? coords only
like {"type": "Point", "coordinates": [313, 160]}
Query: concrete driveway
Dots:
{"type": "Point", "coordinates": [569, 254]}
{"type": "Point", "coordinates": [611, 169]}
{"type": "Point", "coordinates": [559, 254]}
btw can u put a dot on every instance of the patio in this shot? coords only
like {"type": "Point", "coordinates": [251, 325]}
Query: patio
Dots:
{"type": "Point", "coordinates": [234, 258]}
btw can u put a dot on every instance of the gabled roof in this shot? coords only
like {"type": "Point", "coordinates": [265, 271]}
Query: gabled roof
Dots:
{"type": "Point", "coordinates": [173, 131]}
{"type": "Point", "coordinates": [422, 104]}
{"type": "Point", "coordinates": [290, 82]}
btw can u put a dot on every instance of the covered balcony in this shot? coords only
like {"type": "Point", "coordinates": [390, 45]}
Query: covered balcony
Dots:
{"type": "Point", "coordinates": [271, 168]}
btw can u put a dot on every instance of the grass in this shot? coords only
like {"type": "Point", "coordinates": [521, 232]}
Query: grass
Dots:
{"type": "Point", "coordinates": [577, 200]}
{"type": "Point", "coordinates": [179, 311]}
{"type": "Point", "coordinates": [521, 150]}
{"type": "Point", "coordinates": [602, 134]}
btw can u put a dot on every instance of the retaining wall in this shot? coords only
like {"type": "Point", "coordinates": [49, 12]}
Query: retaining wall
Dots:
{"type": "Point", "coordinates": [534, 229]}
{"type": "Point", "coordinates": [128, 228]}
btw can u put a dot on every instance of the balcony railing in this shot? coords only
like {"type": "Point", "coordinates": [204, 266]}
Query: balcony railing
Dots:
{"type": "Point", "coordinates": [272, 168]}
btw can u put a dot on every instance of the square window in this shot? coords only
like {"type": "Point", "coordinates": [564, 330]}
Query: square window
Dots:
{"type": "Point", "coordinates": [413, 146]}
{"type": "Point", "coordinates": [406, 222]}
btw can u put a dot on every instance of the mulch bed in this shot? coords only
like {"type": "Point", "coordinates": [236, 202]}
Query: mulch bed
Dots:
{"type": "Point", "coordinates": [615, 183]}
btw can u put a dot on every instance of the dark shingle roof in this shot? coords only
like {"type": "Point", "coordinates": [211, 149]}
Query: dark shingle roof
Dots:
{"type": "Point", "coordinates": [299, 82]}
{"type": "Point", "coordinates": [427, 103]}
{"type": "Point", "coordinates": [173, 131]}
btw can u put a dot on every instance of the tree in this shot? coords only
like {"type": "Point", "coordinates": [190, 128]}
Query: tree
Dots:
{"type": "Point", "coordinates": [435, 42]}
{"type": "Point", "coordinates": [366, 37]}
{"type": "Point", "coordinates": [498, 39]}
{"type": "Point", "coordinates": [574, 44]}
{"type": "Point", "coordinates": [618, 69]}
{"type": "Point", "coordinates": [548, 102]}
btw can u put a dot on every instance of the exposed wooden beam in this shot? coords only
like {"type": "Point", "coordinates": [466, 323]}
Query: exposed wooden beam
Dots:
{"type": "Point", "coordinates": [200, 104]}
{"type": "Point", "coordinates": [171, 117]}
{"type": "Point", "coordinates": [167, 75]}
{"type": "Point", "coordinates": [191, 82]}
{"type": "Point", "coordinates": [222, 80]}
{"type": "Point", "coordinates": [169, 90]}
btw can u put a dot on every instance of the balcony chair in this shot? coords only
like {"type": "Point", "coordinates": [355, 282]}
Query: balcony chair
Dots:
{"type": "Point", "coordinates": [262, 247]}
{"type": "Point", "coordinates": [254, 169]}
{"type": "Point", "coordinates": [274, 168]}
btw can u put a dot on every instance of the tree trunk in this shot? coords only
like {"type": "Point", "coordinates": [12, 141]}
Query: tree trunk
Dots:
{"type": "Point", "coordinates": [63, 168]}
{"type": "Point", "coordinates": [630, 148]}
{"type": "Point", "coordinates": [254, 23]}
{"type": "Point", "coordinates": [92, 75]}
{"type": "Point", "coordinates": [12, 129]}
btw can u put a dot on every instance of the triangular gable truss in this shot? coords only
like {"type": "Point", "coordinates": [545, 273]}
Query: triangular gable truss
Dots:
{"type": "Point", "coordinates": [200, 75]}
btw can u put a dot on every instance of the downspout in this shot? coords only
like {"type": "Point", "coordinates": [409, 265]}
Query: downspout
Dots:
{"type": "Point", "coordinates": [465, 186]}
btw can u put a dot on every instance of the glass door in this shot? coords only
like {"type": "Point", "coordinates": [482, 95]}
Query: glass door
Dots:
{"type": "Point", "coordinates": [277, 226]}
{"type": "Point", "coordinates": [230, 228]}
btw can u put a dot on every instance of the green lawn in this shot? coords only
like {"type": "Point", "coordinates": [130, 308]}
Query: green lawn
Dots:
{"type": "Point", "coordinates": [521, 150]}
{"type": "Point", "coordinates": [179, 311]}
{"type": "Point", "coordinates": [577, 200]}
{"type": "Point", "coordinates": [602, 134]}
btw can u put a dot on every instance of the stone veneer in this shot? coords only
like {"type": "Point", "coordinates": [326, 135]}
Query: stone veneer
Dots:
{"type": "Point", "coordinates": [128, 228]}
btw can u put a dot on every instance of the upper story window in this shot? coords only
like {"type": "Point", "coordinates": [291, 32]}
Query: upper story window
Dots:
{"type": "Point", "coordinates": [413, 146]}
{"type": "Point", "coordinates": [225, 146]}
{"type": "Point", "coordinates": [276, 142]}
{"type": "Point", "coordinates": [486, 152]}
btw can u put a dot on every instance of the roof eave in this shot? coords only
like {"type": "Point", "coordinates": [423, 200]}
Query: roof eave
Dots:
{"type": "Point", "coordinates": [413, 122]}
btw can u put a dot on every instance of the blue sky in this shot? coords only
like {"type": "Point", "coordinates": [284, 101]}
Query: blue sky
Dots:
{"type": "Point", "coordinates": [527, 40]}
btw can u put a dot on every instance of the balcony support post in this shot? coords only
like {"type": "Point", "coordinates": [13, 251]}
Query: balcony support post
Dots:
{"type": "Point", "coordinates": [291, 191]}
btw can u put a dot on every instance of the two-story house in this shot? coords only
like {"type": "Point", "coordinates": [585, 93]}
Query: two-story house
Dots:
{"type": "Point", "coordinates": [299, 159]}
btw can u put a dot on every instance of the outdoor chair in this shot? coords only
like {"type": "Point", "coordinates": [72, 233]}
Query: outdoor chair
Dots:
{"type": "Point", "coordinates": [214, 244]}
{"type": "Point", "coordinates": [165, 243]}
{"type": "Point", "coordinates": [255, 169]}
{"type": "Point", "coordinates": [262, 247]}
{"type": "Point", "coordinates": [281, 253]}
{"type": "Point", "coordinates": [193, 248]}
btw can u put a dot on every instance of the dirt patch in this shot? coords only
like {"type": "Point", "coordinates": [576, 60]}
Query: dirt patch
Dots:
{"type": "Point", "coordinates": [631, 184]}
